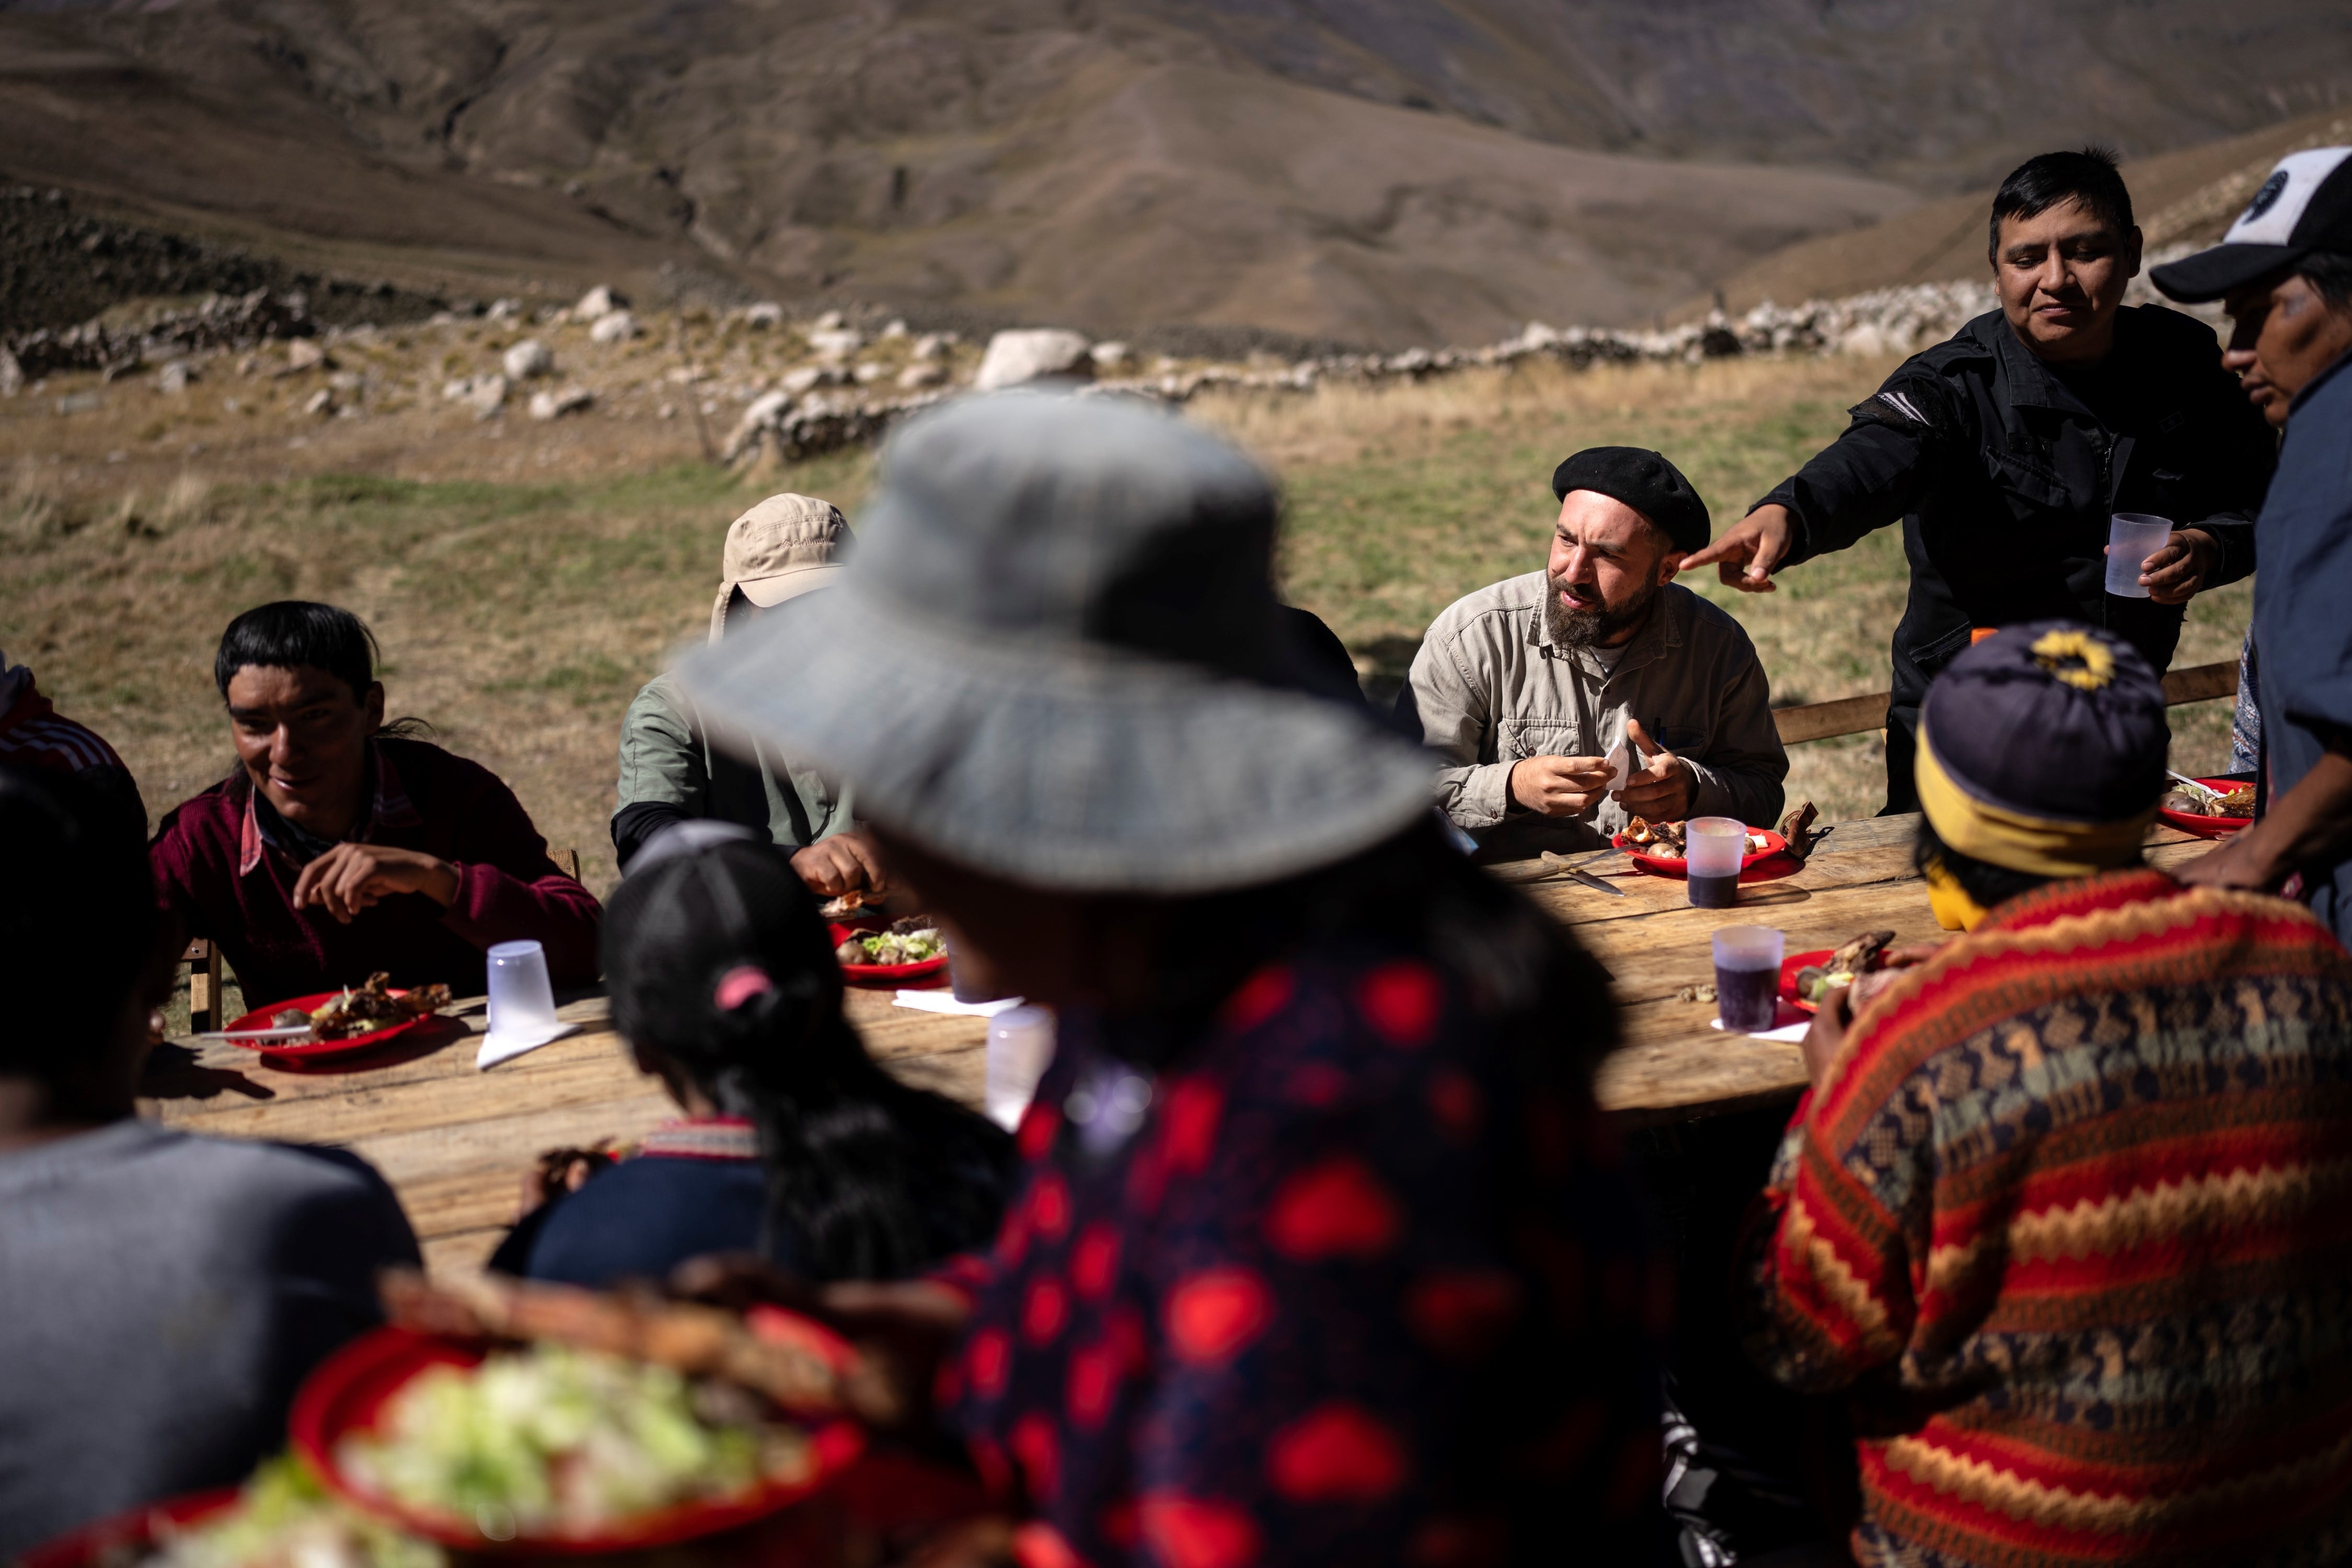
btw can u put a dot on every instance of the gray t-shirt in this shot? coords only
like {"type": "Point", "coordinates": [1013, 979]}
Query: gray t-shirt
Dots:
{"type": "Point", "coordinates": [161, 1296]}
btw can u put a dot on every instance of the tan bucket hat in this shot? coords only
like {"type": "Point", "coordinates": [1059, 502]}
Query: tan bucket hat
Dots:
{"type": "Point", "coordinates": [780, 549]}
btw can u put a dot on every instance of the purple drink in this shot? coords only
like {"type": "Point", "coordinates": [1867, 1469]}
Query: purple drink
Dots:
{"type": "Point", "coordinates": [1713, 892]}
{"type": "Point", "coordinates": [1747, 977]}
{"type": "Point", "coordinates": [1746, 1000]}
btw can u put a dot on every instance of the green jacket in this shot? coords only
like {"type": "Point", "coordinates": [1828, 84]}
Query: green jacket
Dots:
{"type": "Point", "coordinates": [670, 772]}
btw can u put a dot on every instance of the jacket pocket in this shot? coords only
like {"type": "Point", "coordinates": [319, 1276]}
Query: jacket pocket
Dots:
{"type": "Point", "coordinates": [1519, 738]}
{"type": "Point", "coordinates": [2031, 491]}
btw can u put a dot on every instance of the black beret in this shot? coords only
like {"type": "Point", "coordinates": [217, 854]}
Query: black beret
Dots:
{"type": "Point", "coordinates": [2054, 719]}
{"type": "Point", "coordinates": [1644, 480]}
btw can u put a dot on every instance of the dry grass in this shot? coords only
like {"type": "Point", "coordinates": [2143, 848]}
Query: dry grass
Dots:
{"type": "Point", "coordinates": [525, 579]}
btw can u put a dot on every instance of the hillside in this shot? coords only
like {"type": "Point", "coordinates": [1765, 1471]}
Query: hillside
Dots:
{"type": "Point", "coordinates": [1383, 171]}
{"type": "Point", "coordinates": [2181, 199]}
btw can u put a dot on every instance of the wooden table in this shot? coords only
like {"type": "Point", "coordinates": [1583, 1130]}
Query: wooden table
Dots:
{"type": "Point", "coordinates": [455, 1141]}
{"type": "Point", "coordinates": [1674, 1064]}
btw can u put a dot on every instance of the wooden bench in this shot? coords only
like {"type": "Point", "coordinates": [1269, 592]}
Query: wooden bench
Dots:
{"type": "Point", "coordinates": [1860, 715]}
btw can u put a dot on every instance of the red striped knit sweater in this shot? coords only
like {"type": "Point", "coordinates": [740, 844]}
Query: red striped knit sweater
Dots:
{"type": "Point", "coordinates": [2072, 1218]}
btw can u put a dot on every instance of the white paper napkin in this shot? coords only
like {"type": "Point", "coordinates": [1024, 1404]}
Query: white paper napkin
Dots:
{"type": "Point", "coordinates": [945, 1002]}
{"type": "Point", "coordinates": [1791, 1033]}
{"type": "Point", "coordinates": [1621, 763]}
{"type": "Point", "coordinates": [504, 1044]}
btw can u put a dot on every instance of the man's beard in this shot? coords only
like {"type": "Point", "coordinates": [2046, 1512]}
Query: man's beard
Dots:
{"type": "Point", "coordinates": [1592, 629]}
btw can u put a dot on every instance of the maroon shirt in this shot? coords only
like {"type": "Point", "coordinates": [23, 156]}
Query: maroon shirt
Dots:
{"type": "Point", "coordinates": [227, 882]}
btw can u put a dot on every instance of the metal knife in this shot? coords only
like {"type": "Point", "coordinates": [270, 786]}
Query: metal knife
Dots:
{"type": "Point", "coordinates": [1579, 874]}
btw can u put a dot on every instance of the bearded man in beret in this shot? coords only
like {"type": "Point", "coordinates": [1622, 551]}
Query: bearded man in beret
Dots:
{"type": "Point", "coordinates": [1567, 701]}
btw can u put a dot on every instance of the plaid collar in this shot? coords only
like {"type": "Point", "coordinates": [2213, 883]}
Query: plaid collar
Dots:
{"type": "Point", "coordinates": [390, 808]}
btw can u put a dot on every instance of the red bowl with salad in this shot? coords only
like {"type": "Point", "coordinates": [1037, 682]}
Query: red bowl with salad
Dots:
{"type": "Point", "coordinates": [548, 1450]}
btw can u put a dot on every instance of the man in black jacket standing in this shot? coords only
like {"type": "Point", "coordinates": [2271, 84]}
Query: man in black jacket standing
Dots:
{"type": "Point", "coordinates": [2006, 450]}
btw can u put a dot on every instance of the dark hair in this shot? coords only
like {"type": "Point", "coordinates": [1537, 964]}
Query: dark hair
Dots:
{"type": "Point", "coordinates": [2039, 183]}
{"type": "Point", "coordinates": [2330, 273]}
{"type": "Point", "coordinates": [76, 918]}
{"type": "Point", "coordinates": [294, 632]}
{"type": "Point", "coordinates": [1986, 883]}
{"type": "Point", "coordinates": [717, 960]}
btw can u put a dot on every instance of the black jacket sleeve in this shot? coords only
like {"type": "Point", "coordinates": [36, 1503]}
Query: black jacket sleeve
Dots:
{"type": "Point", "coordinates": [1874, 472]}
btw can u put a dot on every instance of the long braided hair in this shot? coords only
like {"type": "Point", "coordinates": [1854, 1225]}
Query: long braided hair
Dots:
{"type": "Point", "coordinates": [718, 961]}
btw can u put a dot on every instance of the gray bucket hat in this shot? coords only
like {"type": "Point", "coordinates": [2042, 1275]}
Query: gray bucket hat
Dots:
{"type": "Point", "coordinates": [1056, 656]}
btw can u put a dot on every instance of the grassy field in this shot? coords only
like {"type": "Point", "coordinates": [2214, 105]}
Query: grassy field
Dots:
{"type": "Point", "coordinates": [524, 582]}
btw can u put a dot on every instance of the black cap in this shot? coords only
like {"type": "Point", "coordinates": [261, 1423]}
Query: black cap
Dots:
{"type": "Point", "coordinates": [1644, 480]}
{"type": "Point", "coordinates": [2305, 205]}
{"type": "Point", "coordinates": [2055, 721]}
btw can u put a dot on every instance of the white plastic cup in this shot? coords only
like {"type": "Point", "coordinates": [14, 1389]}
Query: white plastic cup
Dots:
{"type": "Point", "coordinates": [1714, 845]}
{"type": "Point", "coordinates": [1020, 1047]}
{"type": "Point", "coordinates": [522, 1002]}
{"type": "Point", "coordinates": [1747, 976]}
{"type": "Point", "coordinates": [2132, 538]}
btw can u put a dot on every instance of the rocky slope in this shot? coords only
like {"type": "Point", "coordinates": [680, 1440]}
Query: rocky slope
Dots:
{"type": "Point", "coordinates": [1383, 172]}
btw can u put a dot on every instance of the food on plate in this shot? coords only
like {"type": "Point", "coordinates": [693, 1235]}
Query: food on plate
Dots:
{"type": "Point", "coordinates": [1657, 838]}
{"type": "Point", "coordinates": [700, 1341]}
{"type": "Point", "coordinates": [1665, 839]}
{"type": "Point", "coordinates": [373, 1006]}
{"type": "Point", "coordinates": [551, 1439]}
{"type": "Point", "coordinates": [2237, 801]}
{"type": "Point", "coordinates": [1797, 829]}
{"type": "Point", "coordinates": [289, 1019]}
{"type": "Point", "coordinates": [849, 905]}
{"type": "Point", "coordinates": [1867, 963]}
{"type": "Point", "coordinates": [894, 946]}
{"type": "Point", "coordinates": [283, 1519]}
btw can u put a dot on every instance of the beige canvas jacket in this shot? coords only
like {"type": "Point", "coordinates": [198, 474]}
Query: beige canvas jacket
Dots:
{"type": "Point", "coordinates": [1489, 686]}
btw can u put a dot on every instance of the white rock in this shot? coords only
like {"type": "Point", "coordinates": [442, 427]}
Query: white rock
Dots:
{"type": "Point", "coordinates": [763, 316]}
{"type": "Point", "coordinates": [614, 327]}
{"type": "Point", "coordinates": [526, 359]}
{"type": "Point", "coordinates": [766, 412]}
{"type": "Point", "coordinates": [488, 394]}
{"type": "Point", "coordinates": [12, 374]}
{"type": "Point", "coordinates": [173, 378]}
{"type": "Point", "coordinates": [554, 404]}
{"type": "Point", "coordinates": [836, 343]}
{"type": "Point", "coordinates": [868, 371]}
{"type": "Point", "coordinates": [305, 353]}
{"type": "Point", "coordinates": [931, 345]}
{"type": "Point", "coordinates": [598, 303]}
{"type": "Point", "coordinates": [831, 322]}
{"type": "Point", "coordinates": [1023, 355]}
{"type": "Point", "coordinates": [503, 311]}
{"type": "Point", "coordinates": [322, 404]}
{"type": "Point", "coordinates": [805, 379]}
{"type": "Point", "coordinates": [1108, 356]}
{"type": "Point", "coordinates": [346, 381]}
{"type": "Point", "coordinates": [896, 328]}
{"type": "Point", "coordinates": [666, 411]}
{"type": "Point", "coordinates": [455, 389]}
{"type": "Point", "coordinates": [916, 377]}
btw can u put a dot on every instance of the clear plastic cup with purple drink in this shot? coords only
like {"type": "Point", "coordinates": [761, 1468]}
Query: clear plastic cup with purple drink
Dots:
{"type": "Point", "coordinates": [1747, 977]}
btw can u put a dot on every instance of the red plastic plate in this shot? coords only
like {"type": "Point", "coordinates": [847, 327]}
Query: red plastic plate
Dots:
{"type": "Point", "coordinates": [349, 1390]}
{"type": "Point", "coordinates": [1670, 865]}
{"type": "Point", "coordinates": [1789, 967]}
{"type": "Point", "coordinates": [113, 1539]}
{"type": "Point", "coordinates": [259, 1019]}
{"type": "Point", "coordinates": [2206, 827]}
{"type": "Point", "coordinates": [884, 973]}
